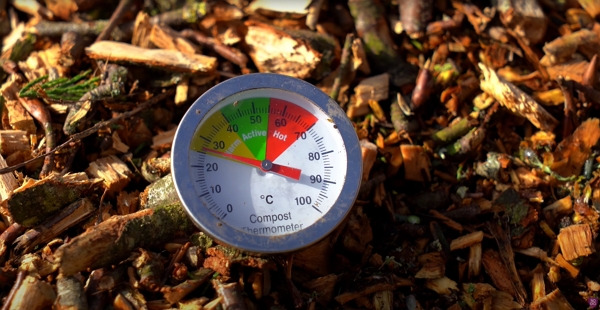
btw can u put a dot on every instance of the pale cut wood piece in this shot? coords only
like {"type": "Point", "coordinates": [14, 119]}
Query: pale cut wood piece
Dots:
{"type": "Point", "coordinates": [297, 53]}
{"type": "Point", "coordinates": [442, 286]}
{"type": "Point", "coordinates": [553, 301]}
{"type": "Point", "coordinates": [516, 100]}
{"type": "Point", "coordinates": [416, 163]}
{"type": "Point", "coordinates": [563, 48]}
{"type": "Point", "coordinates": [164, 139]}
{"type": "Point", "coordinates": [369, 154]}
{"type": "Point", "coordinates": [572, 69]}
{"type": "Point", "coordinates": [524, 17]}
{"type": "Point", "coordinates": [18, 117]}
{"type": "Point", "coordinates": [433, 266]}
{"type": "Point", "coordinates": [8, 182]}
{"type": "Point", "coordinates": [466, 240]}
{"type": "Point", "coordinates": [563, 206]}
{"type": "Point", "coordinates": [576, 241]}
{"type": "Point", "coordinates": [182, 90]}
{"type": "Point", "coordinates": [77, 176]}
{"type": "Point", "coordinates": [156, 58]}
{"type": "Point", "coordinates": [357, 111]}
{"type": "Point", "coordinates": [13, 141]}
{"type": "Point", "coordinates": [474, 260]}
{"type": "Point", "coordinates": [33, 294]}
{"type": "Point", "coordinates": [113, 171]}
{"type": "Point", "coordinates": [373, 88]}
{"type": "Point", "coordinates": [117, 144]}
{"type": "Point", "coordinates": [538, 287]}
{"type": "Point", "coordinates": [62, 8]}
{"type": "Point", "coordinates": [166, 38]}
{"type": "Point", "coordinates": [141, 31]}
{"type": "Point", "coordinates": [359, 57]}
{"type": "Point", "coordinates": [573, 271]}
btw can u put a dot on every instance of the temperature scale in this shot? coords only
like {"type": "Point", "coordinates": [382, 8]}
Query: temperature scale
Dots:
{"type": "Point", "coordinates": [266, 163]}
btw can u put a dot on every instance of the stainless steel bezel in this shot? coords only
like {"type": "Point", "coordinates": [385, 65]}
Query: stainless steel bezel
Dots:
{"type": "Point", "coordinates": [218, 230]}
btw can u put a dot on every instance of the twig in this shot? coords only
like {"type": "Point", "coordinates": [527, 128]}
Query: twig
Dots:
{"type": "Point", "coordinates": [78, 136]}
{"type": "Point", "coordinates": [14, 289]}
{"type": "Point", "coordinates": [230, 53]}
{"type": "Point", "coordinates": [112, 22]}
{"type": "Point", "coordinates": [590, 76]}
{"type": "Point", "coordinates": [40, 112]}
{"type": "Point", "coordinates": [337, 83]}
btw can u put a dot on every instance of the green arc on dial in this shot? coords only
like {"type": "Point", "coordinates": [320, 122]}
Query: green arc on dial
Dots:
{"type": "Point", "coordinates": [250, 119]}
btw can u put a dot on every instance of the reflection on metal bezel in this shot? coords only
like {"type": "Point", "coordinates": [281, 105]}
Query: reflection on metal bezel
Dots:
{"type": "Point", "coordinates": [206, 221]}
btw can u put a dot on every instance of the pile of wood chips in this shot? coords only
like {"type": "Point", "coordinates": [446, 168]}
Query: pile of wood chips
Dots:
{"type": "Point", "coordinates": [477, 123]}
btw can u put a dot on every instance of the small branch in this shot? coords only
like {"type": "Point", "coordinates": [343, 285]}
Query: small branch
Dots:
{"type": "Point", "coordinates": [114, 19]}
{"type": "Point", "coordinates": [230, 53]}
{"type": "Point", "coordinates": [337, 83]}
{"type": "Point", "coordinates": [93, 129]}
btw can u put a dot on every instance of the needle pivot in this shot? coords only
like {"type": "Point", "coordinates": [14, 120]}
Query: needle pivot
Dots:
{"type": "Point", "coordinates": [266, 165]}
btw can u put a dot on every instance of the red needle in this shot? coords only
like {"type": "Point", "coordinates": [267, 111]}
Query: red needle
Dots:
{"type": "Point", "coordinates": [264, 165]}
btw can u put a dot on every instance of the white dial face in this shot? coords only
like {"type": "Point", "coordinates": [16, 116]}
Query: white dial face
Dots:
{"type": "Point", "coordinates": [267, 162]}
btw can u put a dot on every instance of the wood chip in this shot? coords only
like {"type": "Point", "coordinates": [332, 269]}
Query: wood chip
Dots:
{"type": "Point", "coordinates": [433, 266]}
{"type": "Point", "coordinates": [369, 155]}
{"type": "Point", "coordinates": [278, 51]}
{"type": "Point", "coordinates": [166, 38]}
{"type": "Point", "coordinates": [372, 88]}
{"type": "Point", "coordinates": [162, 59]}
{"type": "Point", "coordinates": [33, 294]}
{"type": "Point", "coordinates": [466, 240]}
{"type": "Point", "coordinates": [141, 31]}
{"type": "Point", "coordinates": [8, 182]}
{"type": "Point", "coordinates": [576, 241]}
{"type": "Point", "coordinates": [442, 286]}
{"type": "Point", "coordinates": [525, 17]}
{"type": "Point", "coordinates": [554, 300]}
{"type": "Point", "coordinates": [13, 141]}
{"type": "Point", "coordinates": [474, 260]}
{"type": "Point", "coordinates": [572, 152]}
{"type": "Point", "coordinates": [113, 171]}
{"type": "Point", "coordinates": [164, 139]}
{"type": "Point", "coordinates": [497, 271]}
{"type": "Point", "coordinates": [18, 117]}
{"type": "Point", "coordinates": [416, 163]}
{"type": "Point", "coordinates": [573, 271]}
{"type": "Point", "coordinates": [516, 100]}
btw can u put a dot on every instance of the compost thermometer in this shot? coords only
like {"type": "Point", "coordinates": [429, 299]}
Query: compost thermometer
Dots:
{"type": "Point", "coordinates": [266, 163]}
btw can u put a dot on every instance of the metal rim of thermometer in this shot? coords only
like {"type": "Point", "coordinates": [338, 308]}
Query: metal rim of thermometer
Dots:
{"type": "Point", "coordinates": [266, 163]}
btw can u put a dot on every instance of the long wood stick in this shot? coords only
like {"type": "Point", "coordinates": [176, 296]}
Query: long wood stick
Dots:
{"type": "Point", "coordinates": [78, 136]}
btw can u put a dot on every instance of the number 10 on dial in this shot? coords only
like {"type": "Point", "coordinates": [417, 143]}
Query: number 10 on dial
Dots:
{"type": "Point", "coordinates": [266, 163]}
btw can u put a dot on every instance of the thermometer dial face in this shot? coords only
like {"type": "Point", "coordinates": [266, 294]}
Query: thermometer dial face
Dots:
{"type": "Point", "coordinates": [265, 169]}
